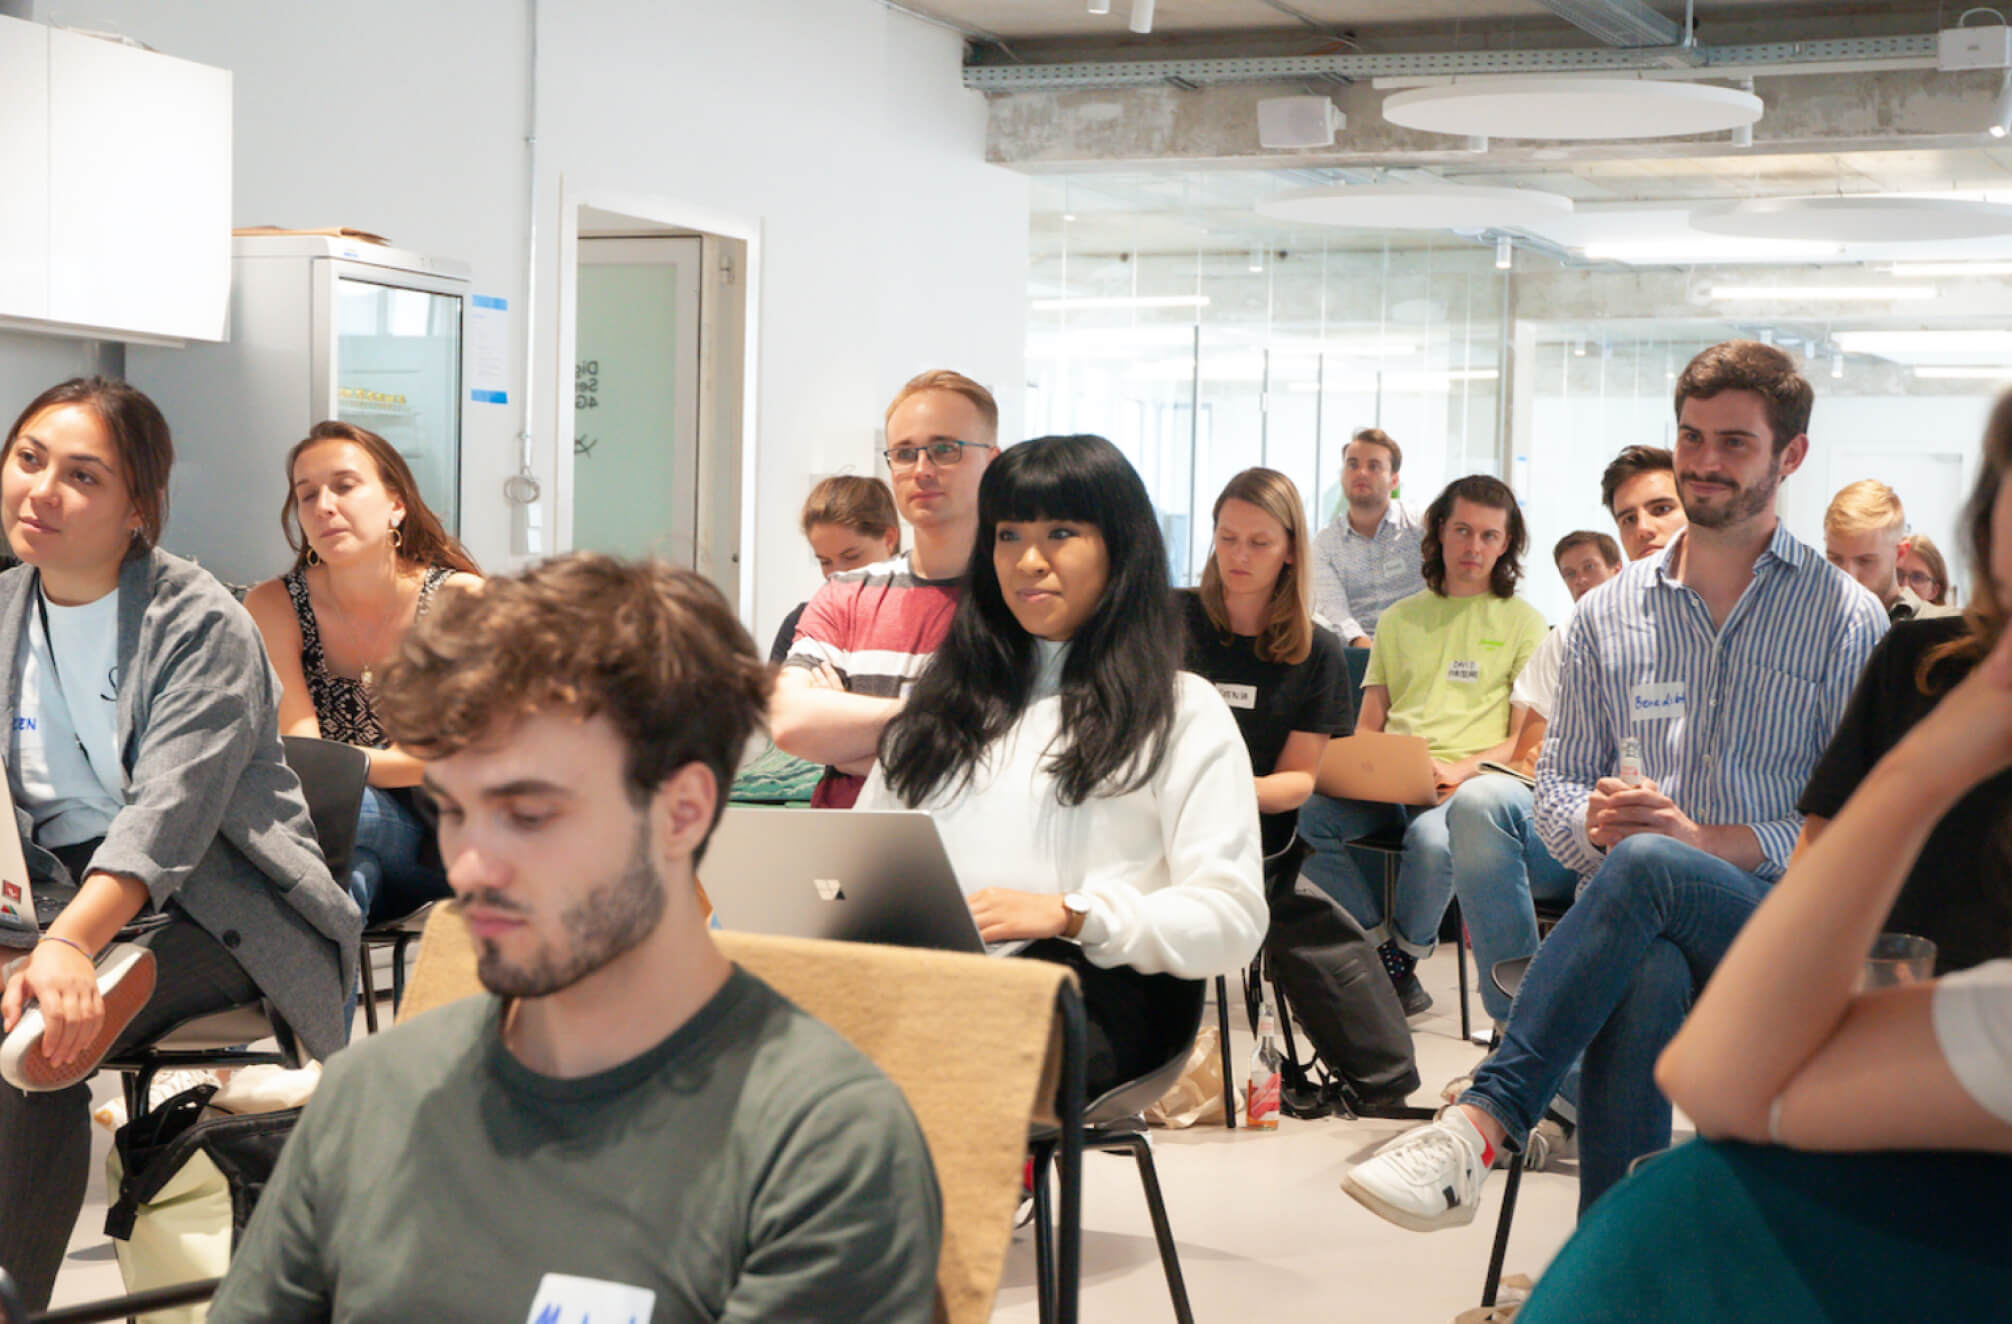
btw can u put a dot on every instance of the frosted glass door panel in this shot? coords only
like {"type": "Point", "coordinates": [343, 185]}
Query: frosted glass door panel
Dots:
{"type": "Point", "coordinates": [398, 373]}
{"type": "Point", "coordinates": [635, 399]}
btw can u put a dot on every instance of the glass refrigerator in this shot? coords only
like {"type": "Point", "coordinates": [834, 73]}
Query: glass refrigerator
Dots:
{"type": "Point", "coordinates": [321, 328]}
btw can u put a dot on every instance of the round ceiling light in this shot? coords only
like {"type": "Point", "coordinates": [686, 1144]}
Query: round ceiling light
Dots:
{"type": "Point", "coordinates": [1856, 219]}
{"type": "Point", "coordinates": [1417, 207]}
{"type": "Point", "coordinates": [1573, 108]}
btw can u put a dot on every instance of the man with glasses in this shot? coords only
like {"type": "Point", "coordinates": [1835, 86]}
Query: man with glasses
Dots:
{"type": "Point", "coordinates": [866, 634]}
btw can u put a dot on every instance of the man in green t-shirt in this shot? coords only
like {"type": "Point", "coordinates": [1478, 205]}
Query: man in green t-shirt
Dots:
{"type": "Point", "coordinates": [630, 1127]}
{"type": "Point", "coordinates": [1441, 667]}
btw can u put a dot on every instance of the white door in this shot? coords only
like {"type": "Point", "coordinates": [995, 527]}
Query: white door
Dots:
{"type": "Point", "coordinates": [636, 399]}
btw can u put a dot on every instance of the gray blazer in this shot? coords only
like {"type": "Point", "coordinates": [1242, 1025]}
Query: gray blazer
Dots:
{"type": "Point", "coordinates": [214, 819]}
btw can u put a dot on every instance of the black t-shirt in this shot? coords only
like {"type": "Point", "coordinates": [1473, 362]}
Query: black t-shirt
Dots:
{"type": "Point", "coordinates": [1960, 891]}
{"type": "Point", "coordinates": [786, 636]}
{"type": "Point", "coordinates": [1271, 700]}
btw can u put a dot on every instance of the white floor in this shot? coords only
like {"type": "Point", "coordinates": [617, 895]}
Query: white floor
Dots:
{"type": "Point", "coordinates": [1263, 1227]}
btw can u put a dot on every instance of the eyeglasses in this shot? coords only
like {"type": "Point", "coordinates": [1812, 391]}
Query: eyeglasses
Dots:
{"type": "Point", "coordinates": [942, 454]}
{"type": "Point", "coordinates": [1919, 580]}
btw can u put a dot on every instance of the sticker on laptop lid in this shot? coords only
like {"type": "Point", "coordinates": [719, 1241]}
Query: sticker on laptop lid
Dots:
{"type": "Point", "coordinates": [565, 1299]}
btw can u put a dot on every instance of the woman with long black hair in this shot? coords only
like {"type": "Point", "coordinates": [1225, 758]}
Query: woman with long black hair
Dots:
{"type": "Point", "coordinates": [1096, 801]}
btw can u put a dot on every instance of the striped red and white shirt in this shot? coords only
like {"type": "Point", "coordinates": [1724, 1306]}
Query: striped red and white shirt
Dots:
{"type": "Point", "coordinates": [877, 628]}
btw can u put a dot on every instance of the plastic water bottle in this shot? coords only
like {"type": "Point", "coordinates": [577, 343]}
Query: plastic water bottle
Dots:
{"type": "Point", "coordinates": [1630, 769]}
{"type": "Point", "coordinates": [1261, 1092]}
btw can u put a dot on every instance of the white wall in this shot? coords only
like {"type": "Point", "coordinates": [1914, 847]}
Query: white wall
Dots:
{"type": "Point", "coordinates": [839, 128]}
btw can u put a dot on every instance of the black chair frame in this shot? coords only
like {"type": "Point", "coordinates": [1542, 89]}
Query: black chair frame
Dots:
{"type": "Point", "coordinates": [1107, 1122]}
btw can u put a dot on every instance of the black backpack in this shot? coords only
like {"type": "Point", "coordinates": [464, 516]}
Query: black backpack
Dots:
{"type": "Point", "coordinates": [155, 1146]}
{"type": "Point", "coordinates": [1326, 974]}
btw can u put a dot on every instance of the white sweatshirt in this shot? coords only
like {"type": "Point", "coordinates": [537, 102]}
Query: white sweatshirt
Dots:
{"type": "Point", "coordinates": [1172, 870]}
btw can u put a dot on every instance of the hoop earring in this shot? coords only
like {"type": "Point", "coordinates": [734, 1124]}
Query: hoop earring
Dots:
{"type": "Point", "coordinates": [397, 539]}
{"type": "Point", "coordinates": [313, 557]}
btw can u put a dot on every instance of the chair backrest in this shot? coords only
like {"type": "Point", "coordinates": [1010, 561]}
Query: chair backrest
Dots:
{"type": "Point", "coordinates": [332, 777]}
{"type": "Point", "coordinates": [971, 1042]}
{"type": "Point", "coordinates": [1357, 660]}
{"type": "Point", "coordinates": [1174, 1010]}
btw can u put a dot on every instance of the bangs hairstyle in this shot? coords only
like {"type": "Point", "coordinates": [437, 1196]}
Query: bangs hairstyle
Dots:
{"type": "Point", "coordinates": [1287, 635]}
{"type": "Point", "coordinates": [1983, 618]}
{"type": "Point", "coordinates": [1748, 365]}
{"type": "Point", "coordinates": [1921, 545]}
{"type": "Point", "coordinates": [1481, 490]}
{"type": "Point", "coordinates": [139, 434]}
{"type": "Point", "coordinates": [1119, 686]}
{"type": "Point", "coordinates": [423, 540]}
{"type": "Point", "coordinates": [654, 649]}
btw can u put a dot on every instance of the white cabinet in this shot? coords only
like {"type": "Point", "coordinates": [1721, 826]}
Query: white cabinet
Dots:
{"type": "Point", "coordinates": [116, 219]}
{"type": "Point", "coordinates": [24, 165]}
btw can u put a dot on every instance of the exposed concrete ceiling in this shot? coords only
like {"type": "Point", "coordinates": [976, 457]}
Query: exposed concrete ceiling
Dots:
{"type": "Point", "coordinates": [1035, 20]}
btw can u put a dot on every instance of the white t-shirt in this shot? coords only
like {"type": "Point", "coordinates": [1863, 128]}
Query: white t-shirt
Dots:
{"type": "Point", "coordinates": [1973, 1024]}
{"type": "Point", "coordinates": [1536, 686]}
{"type": "Point", "coordinates": [1172, 870]}
{"type": "Point", "coordinates": [64, 750]}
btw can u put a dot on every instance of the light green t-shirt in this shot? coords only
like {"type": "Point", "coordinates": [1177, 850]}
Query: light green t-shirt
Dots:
{"type": "Point", "coordinates": [1448, 664]}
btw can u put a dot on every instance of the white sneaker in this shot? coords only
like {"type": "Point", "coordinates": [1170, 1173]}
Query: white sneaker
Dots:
{"type": "Point", "coordinates": [1426, 1179]}
{"type": "Point", "coordinates": [125, 981]}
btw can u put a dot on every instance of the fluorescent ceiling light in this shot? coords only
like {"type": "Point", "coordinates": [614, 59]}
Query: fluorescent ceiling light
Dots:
{"type": "Point", "coordinates": [1084, 304]}
{"type": "Point", "coordinates": [1823, 293]}
{"type": "Point", "coordinates": [1683, 250]}
{"type": "Point", "coordinates": [1993, 373]}
{"type": "Point", "coordinates": [1973, 345]}
{"type": "Point", "coordinates": [1855, 218]}
{"type": "Point", "coordinates": [1950, 269]}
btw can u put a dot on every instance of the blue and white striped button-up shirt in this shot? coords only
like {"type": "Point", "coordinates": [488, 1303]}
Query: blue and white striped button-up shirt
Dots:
{"type": "Point", "coordinates": [1731, 720]}
{"type": "Point", "coordinates": [1355, 578]}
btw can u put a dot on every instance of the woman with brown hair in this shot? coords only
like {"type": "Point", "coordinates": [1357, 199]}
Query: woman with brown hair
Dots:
{"type": "Point", "coordinates": [1251, 634]}
{"type": "Point", "coordinates": [1923, 570]}
{"type": "Point", "coordinates": [369, 557]}
{"type": "Point", "coordinates": [850, 523]}
{"type": "Point", "coordinates": [143, 753]}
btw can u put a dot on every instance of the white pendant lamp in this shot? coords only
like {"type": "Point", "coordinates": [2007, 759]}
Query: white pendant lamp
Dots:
{"type": "Point", "coordinates": [1586, 109]}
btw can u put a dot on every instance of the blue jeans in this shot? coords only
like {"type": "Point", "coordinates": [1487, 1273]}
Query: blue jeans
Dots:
{"type": "Point", "coordinates": [1424, 876]}
{"type": "Point", "coordinates": [1499, 865]}
{"type": "Point", "coordinates": [1613, 981]}
{"type": "Point", "coordinates": [389, 874]}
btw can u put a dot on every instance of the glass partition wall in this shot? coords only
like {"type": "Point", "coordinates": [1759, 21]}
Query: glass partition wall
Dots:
{"type": "Point", "coordinates": [1242, 343]}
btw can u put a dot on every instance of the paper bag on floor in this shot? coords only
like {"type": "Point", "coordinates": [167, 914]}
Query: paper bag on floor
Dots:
{"type": "Point", "coordinates": [1198, 1095]}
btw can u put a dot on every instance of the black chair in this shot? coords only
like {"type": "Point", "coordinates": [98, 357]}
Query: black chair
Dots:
{"type": "Point", "coordinates": [332, 777]}
{"type": "Point", "coordinates": [1112, 1121]}
{"type": "Point", "coordinates": [12, 1311]}
{"type": "Point", "coordinates": [397, 934]}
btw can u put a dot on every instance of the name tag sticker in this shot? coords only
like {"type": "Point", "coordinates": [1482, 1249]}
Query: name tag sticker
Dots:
{"type": "Point", "coordinates": [1237, 696]}
{"type": "Point", "coordinates": [565, 1299]}
{"type": "Point", "coordinates": [1461, 671]}
{"type": "Point", "coordinates": [1656, 703]}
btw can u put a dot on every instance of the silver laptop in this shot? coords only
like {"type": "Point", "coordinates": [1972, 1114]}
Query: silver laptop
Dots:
{"type": "Point", "coordinates": [17, 898]}
{"type": "Point", "coordinates": [853, 875]}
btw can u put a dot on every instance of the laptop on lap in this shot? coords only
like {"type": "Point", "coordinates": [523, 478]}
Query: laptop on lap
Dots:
{"type": "Point", "coordinates": [848, 875]}
{"type": "Point", "coordinates": [1376, 765]}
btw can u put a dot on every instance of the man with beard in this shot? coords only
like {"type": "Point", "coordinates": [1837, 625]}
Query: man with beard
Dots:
{"type": "Point", "coordinates": [1725, 664]}
{"type": "Point", "coordinates": [629, 1127]}
{"type": "Point", "coordinates": [1371, 555]}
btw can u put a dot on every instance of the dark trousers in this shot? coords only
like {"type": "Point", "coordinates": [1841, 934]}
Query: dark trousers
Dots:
{"type": "Point", "coordinates": [45, 1139]}
{"type": "Point", "coordinates": [1120, 1043]}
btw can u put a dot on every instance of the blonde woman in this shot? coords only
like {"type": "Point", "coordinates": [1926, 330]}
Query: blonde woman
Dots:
{"type": "Point", "coordinates": [369, 556]}
{"type": "Point", "coordinates": [1251, 635]}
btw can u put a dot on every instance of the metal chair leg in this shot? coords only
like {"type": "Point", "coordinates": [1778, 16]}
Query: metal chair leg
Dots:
{"type": "Point", "coordinates": [369, 988]}
{"type": "Point", "coordinates": [1044, 1234]}
{"type": "Point", "coordinates": [1163, 1232]}
{"type": "Point", "coordinates": [1223, 1029]}
{"type": "Point", "coordinates": [1502, 1223]}
{"type": "Point", "coordinates": [1460, 958]}
{"type": "Point", "coordinates": [398, 946]}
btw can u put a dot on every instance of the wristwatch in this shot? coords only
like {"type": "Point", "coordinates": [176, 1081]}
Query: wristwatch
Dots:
{"type": "Point", "coordinates": [1078, 907]}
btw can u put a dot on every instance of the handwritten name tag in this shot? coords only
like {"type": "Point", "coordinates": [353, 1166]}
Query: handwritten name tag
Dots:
{"type": "Point", "coordinates": [1656, 703]}
{"type": "Point", "coordinates": [1461, 671]}
{"type": "Point", "coordinates": [1237, 696]}
{"type": "Point", "coordinates": [565, 1299]}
